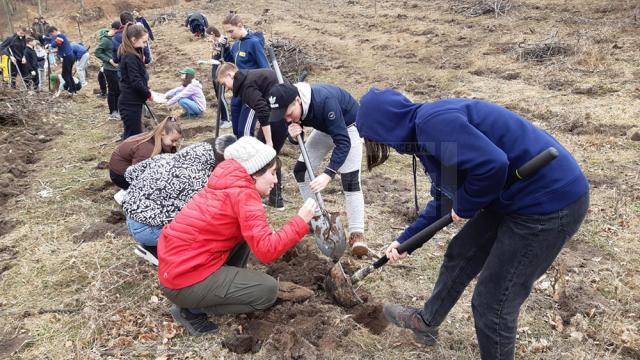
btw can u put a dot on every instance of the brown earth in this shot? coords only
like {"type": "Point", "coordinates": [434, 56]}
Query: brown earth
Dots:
{"type": "Point", "coordinates": [572, 70]}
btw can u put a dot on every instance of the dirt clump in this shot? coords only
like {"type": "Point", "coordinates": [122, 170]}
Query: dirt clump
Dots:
{"type": "Point", "coordinates": [98, 231]}
{"type": "Point", "coordinates": [371, 317]}
{"type": "Point", "coordinates": [289, 291]}
{"type": "Point", "coordinates": [241, 344]}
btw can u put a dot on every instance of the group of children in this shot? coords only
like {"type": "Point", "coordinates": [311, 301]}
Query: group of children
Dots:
{"type": "Point", "coordinates": [197, 213]}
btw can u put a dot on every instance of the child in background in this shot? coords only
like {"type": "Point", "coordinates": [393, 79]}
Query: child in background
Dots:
{"type": "Point", "coordinates": [189, 95]}
{"type": "Point", "coordinates": [162, 185]}
{"type": "Point", "coordinates": [31, 65]}
{"type": "Point", "coordinates": [82, 58]}
{"type": "Point", "coordinates": [134, 88]}
{"type": "Point", "coordinates": [162, 139]}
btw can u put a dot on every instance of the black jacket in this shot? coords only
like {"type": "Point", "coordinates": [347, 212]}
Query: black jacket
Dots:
{"type": "Point", "coordinates": [134, 79]}
{"type": "Point", "coordinates": [253, 87]}
{"type": "Point", "coordinates": [32, 61]}
{"type": "Point", "coordinates": [17, 45]}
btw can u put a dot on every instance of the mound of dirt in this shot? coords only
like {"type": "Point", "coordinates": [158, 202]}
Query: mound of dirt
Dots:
{"type": "Point", "coordinates": [303, 330]}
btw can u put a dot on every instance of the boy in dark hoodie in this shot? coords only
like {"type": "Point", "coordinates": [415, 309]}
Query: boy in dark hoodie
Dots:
{"type": "Point", "coordinates": [331, 112]}
{"type": "Point", "coordinates": [13, 47]}
{"type": "Point", "coordinates": [468, 148]}
{"type": "Point", "coordinates": [247, 52]}
{"type": "Point", "coordinates": [197, 23]}
{"type": "Point", "coordinates": [104, 52]}
{"type": "Point", "coordinates": [252, 87]}
{"type": "Point", "coordinates": [31, 66]}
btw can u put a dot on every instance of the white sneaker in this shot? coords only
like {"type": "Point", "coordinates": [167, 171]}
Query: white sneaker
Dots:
{"type": "Point", "coordinates": [225, 124]}
{"type": "Point", "coordinates": [143, 253]}
{"type": "Point", "coordinates": [119, 196]}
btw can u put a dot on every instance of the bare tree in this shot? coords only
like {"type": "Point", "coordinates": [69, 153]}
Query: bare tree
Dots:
{"type": "Point", "coordinates": [8, 12]}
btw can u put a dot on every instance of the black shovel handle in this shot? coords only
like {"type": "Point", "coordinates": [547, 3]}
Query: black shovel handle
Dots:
{"type": "Point", "coordinates": [416, 241]}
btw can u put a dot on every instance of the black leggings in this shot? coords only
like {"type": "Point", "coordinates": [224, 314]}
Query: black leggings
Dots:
{"type": "Point", "coordinates": [67, 73]}
{"type": "Point", "coordinates": [119, 180]}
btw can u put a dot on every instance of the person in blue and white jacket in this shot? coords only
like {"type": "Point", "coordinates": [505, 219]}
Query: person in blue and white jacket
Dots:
{"type": "Point", "coordinates": [247, 53]}
{"type": "Point", "coordinates": [331, 112]}
{"type": "Point", "coordinates": [82, 58]}
{"type": "Point", "coordinates": [469, 148]}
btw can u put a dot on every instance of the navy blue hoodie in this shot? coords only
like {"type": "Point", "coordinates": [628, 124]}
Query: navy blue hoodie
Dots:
{"type": "Point", "coordinates": [468, 147]}
{"type": "Point", "coordinates": [248, 52]}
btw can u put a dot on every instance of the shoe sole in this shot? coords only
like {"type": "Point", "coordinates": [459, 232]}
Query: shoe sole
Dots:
{"type": "Point", "coordinates": [175, 314]}
{"type": "Point", "coordinates": [424, 339]}
{"type": "Point", "coordinates": [359, 249]}
{"type": "Point", "coordinates": [141, 252]}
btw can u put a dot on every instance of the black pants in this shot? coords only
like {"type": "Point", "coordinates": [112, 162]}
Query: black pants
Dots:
{"type": "Point", "coordinates": [102, 81]}
{"type": "Point", "coordinates": [131, 115]}
{"type": "Point", "coordinates": [279, 133]}
{"type": "Point", "coordinates": [113, 88]}
{"type": "Point", "coordinates": [119, 180]}
{"type": "Point", "coordinates": [16, 72]}
{"type": "Point", "coordinates": [67, 73]}
{"type": "Point", "coordinates": [509, 253]}
{"type": "Point", "coordinates": [222, 104]}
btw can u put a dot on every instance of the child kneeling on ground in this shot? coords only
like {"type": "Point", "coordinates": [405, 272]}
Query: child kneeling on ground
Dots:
{"type": "Point", "coordinates": [162, 139]}
{"type": "Point", "coordinates": [203, 252]}
{"type": "Point", "coordinates": [162, 185]}
{"type": "Point", "coordinates": [189, 95]}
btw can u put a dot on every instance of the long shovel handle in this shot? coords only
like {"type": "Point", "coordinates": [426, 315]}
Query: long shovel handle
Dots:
{"type": "Point", "coordinates": [155, 120]}
{"type": "Point", "coordinates": [416, 241]}
{"type": "Point", "coordinates": [220, 98]}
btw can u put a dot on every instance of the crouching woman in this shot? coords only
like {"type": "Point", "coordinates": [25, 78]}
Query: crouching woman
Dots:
{"type": "Point", "coordinates": [203, 252]}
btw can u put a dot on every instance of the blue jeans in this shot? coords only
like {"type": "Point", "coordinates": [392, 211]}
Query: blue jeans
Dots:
{"type": "Point", "coordinates": [144, 234]}
{"type": "Point", "coordinates": [243, 118]}
{"type": "Point", "coordinates": [509, 252]}
{"type": "Point", "coordinates": [190, 107]}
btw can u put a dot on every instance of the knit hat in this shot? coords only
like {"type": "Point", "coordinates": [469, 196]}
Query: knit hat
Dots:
{"type": "Point", "coordinates": [251, 153]}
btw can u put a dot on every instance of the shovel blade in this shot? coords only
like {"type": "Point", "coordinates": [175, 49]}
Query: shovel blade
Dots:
{"type": "Point", "coordinates": [329, 234]}
{"type": "Point", "coordinates": [338, 284]}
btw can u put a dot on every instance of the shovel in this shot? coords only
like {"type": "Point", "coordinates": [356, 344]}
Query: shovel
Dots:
{"type": "Point", "coordinates": [340, 286]}
{"type": "Point", "coordinates": [327, 228]}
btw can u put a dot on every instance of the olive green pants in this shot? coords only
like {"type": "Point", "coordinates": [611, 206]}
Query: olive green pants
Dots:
{"type": "Point", "coordinates": [232, 289]}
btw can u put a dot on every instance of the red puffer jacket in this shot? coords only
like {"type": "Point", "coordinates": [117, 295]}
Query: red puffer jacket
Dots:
{"type": "Point", "coordinates": [225, 212]}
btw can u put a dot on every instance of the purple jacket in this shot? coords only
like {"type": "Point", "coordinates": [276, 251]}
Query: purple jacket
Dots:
{"type": "Point", "coordinates": [192, 91]}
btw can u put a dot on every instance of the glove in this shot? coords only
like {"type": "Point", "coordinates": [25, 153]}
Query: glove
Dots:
{"type": "Point", "coordinates": [222, 40]}
{"type": "Point", "coordinates": [33, 73]}
{"type": "Point", "coordinates": [59, 41]}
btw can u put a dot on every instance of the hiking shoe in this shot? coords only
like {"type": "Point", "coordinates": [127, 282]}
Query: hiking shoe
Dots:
{"type": "Point", "coordinates": [225, 124]}
{"type": "Point", "coordinates": [410, 318]}
{"type": "Point", "coordinates": [114, 116]}
{"type": "Point", "coordinates": [101, 96]}
{"type": "Point", "coordinates": [358, 247]}
{"type": "Point", "coordinates": [148, 253]}
{"type": "Point", "coordinates": [196, 324]}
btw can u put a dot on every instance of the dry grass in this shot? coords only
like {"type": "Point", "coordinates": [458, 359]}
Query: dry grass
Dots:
{"type": "Point", "coordinates": [585, 307]}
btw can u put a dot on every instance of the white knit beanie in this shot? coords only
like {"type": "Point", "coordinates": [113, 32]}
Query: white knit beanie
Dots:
{"type": "Point", "coordinates": [251, 153]}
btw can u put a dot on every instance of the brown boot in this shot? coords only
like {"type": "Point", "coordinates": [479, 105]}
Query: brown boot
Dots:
{"type": "Point", "coordinates": [410, 318]}
{"type": "Point", "coordinates": [358, 246]}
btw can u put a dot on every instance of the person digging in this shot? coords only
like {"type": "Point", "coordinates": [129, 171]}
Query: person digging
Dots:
{"type": "Point", "coordinates": [203, 251]}
{"type": "Point", "coordinates": [331, 112]}
{"type": "Point", "coordinates": [468, 147]}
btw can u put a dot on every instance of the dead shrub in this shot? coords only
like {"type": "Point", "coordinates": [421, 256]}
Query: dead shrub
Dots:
{"type": "Point", "coordinates": [545, 50]}
{"type": "Point", "coordinates": [474, 8]}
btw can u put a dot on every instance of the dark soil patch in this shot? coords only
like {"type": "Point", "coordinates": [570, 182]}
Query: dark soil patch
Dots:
{"type": "Point", "coordinates": [303, 330]}
{"type": "Point", "coordinates": [22, 136]}
{"type": "Point", "coordinates": [98, 231]}
{"type": "Point", "coordinates": [99, 192]}
{"type": "Point", "coordinates": [188, 133]}
{"type": "Point", "coordinates": [394, 196]}
{"type": "Point", "coordinates": [102, 165]}
{"type": "Point", "coordinates": [580, 298]}
{"type": "Point", "coordinates": [7, 255]}
{"type": "Point", "coordinates": [115, 217]}
{"type": "Point", "coordinates": [9, 345]}
{"type": "Point", "coordinates": [585, 126]}
{"type": "Point", "coordinates": [7, 226]}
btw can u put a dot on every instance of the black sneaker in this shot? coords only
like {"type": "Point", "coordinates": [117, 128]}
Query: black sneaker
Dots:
{"type": "Point", "coordinates": [410, 318]}
{"type": "Point", "coordinates": [276, 203]}
{"type": "Point", "coordinates": [196, 324]}
{"type": "Point", "coordinates": [149, 253]}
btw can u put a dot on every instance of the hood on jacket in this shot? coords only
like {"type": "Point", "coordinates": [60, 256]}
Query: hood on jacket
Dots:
{"type": "Point", "coordinates": [388, 117]}
{"type": "Point", "coordinates": [255, 35]}
{"type": "Point", "coordinates": [304, 90]}
{"type": "Point", "coordinates": [201, 152]}
{"type": "Point", "coordinates": [103, 33]}
{"type": "Point", "coordinates": [195, 83]}
{"type": "Point", "coordinates": [230, 174]}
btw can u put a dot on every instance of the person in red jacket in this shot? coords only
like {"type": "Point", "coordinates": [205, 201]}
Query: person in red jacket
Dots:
{"type": "Point", "coordinates": [202, 253]}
